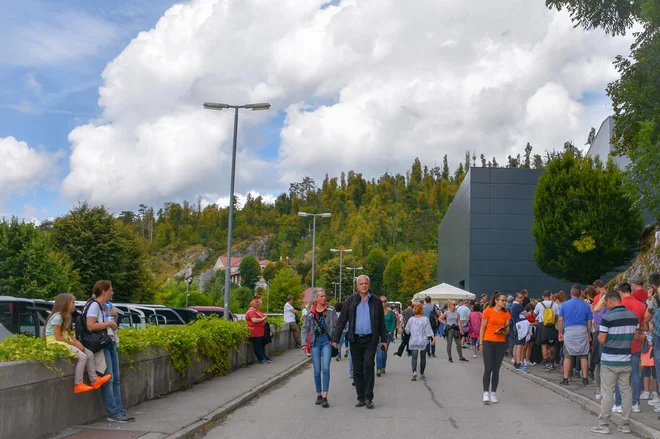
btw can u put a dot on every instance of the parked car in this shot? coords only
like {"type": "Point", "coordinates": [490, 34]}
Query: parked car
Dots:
{"type": "Point", "coordinates": [18, 316]}
{"type": "Point", "coordinates": [212, 311]}
{"type": "Point", "coordinates": [188, 315]}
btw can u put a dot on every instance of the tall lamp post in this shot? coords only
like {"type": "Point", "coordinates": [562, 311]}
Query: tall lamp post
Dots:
{"type": "Point", "coordinates": [341, 252]}
{"type": "Point", "coordinates": [335, 285]}
{"type": "Point", "coordinates": [189, 280]}
{"type": "Point", "coordinates": [354, 269]}
{"type": "Point", "coordinates": [324, 215]}
{"type": "Point", "coordinates": [219, 106]}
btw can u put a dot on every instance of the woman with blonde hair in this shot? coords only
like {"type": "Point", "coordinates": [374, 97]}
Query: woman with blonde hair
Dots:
{"type": "Point", "coordinates": [452, 322]}
{"type": "Point", "coordinates": [256, 322]}
{"type": "Point", "coordinates": [419, 329]}
{"type": "Point", "coordinates": [318, 326]}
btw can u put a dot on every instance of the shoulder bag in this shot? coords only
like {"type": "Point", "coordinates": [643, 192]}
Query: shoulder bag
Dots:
{"type": "Point", "coordinates": [92, 340]}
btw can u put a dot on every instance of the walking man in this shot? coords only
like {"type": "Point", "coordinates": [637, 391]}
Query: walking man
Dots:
{"type": "Point", "coordinates": [290, 314]}
{"type": "Point", "coordinates": [366, 327]}
{"type": "Point", "coordinates": [431, 313]}
{"type": "Point", "coordinates": [574, 326]}
{"type": "Point", "coordinates": [618, 329]}
{"type": "Point", "coordinates": [407, 314]}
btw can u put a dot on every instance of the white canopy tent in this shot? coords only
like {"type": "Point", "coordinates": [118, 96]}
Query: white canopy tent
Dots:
{"type": "Point", "coordinates": [443, 293]}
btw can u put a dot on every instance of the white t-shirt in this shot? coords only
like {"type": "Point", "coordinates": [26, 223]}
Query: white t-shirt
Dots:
{"type": "Point", "coordinates": [95, 311]}
{"type": "Point", "coordinates": [538, 311]}
{"type": "Point", "coordinates": [464, 313]}
{"type": "Point", "coordinates": [289, 316]}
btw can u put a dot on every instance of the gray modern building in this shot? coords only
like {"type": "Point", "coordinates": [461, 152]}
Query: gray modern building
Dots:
{"type": "Point", "coordinates": [485, 241]}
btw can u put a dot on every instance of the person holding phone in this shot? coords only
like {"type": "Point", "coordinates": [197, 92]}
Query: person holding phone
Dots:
{"type": "Point", "coordinates": [495, 324]}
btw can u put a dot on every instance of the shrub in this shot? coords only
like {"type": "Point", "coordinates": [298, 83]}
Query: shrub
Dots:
{"type": "Point", "coordinates": [21, 347]}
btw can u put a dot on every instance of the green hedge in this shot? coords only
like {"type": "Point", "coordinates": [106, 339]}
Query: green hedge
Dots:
{"type": "Point", "coordinates": [210, 337]}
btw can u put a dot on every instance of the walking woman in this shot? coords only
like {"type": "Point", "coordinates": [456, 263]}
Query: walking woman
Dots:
{"type": "Point", "coordinates": [452, 322]}
{"type": "Point", "coordinates": [319, 324]}
{"type": "Point", "coordinates": [96, 321]}
{"type": "Point", "coordinates": [419, 329]}
{"type": "Point", "coordinates": [256, 322]}
{"type": "Point", "coordinates": [390, 323]}
{"type": "Point", "coordinates": [495, 324]}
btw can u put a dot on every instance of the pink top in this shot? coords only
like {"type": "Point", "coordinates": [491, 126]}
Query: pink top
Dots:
{"type": "Point", "coordinates": [475, 324]}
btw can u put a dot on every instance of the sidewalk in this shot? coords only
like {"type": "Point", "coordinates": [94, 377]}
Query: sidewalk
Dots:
{"type": "Point", "coordinates": [645, 424]}
{"type": "Point", "coordinates": [184, 413]}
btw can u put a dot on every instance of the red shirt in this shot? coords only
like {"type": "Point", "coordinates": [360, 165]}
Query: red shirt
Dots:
{"type": "Point", "coordinates": [596, 299]}
{"type": "Point", "coordinates": [640, 295]}
{"type": "Point", "coordinates": [639, 309]}
{"type": "Point", "coordinates": [256, 329]}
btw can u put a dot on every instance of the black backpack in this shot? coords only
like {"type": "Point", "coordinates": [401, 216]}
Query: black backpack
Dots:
{"type": "Point", "coordinates": [94, 341]}
{"type": "Point", "coordinates": [433, 319]}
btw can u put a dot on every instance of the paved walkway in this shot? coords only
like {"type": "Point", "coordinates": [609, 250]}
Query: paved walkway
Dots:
{"type": "Point", "coordinates": [446, 405]}
{"type": "Point", "coordinates": [181, 414]}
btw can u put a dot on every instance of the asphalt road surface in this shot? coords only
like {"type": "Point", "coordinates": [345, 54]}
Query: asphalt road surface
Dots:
{"type": "Point", "coordinates": [448, 404]}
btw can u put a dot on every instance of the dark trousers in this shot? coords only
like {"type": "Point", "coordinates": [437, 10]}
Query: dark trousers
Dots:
{"type": "Point", "coordinates": [493, 356]}
{"type": "Point", "coordinates": [430, 348]}
{"type": "Point", "coordinates": [363, 354]}
{"type": "Point", "coordinates": [453, 335]}
{"type": "Point", "coordinates": [404, 344]}
{"type": "Point", "coordinates": [259, 348]}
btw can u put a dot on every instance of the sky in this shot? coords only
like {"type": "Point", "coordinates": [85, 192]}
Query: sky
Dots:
{"type": "Point", "coordinates": [102, 101]}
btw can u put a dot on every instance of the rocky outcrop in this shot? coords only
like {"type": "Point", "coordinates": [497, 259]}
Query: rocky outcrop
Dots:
{"type": "Point", "coordinates": [646, 262]}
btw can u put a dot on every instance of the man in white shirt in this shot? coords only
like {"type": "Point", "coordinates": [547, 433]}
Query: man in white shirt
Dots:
{"type": "Point", "coordinates": [290, 318]}
{"type": "Point", "coordinates": [546, 335]}
{"type": "Point", "coordinates": [464, 312]}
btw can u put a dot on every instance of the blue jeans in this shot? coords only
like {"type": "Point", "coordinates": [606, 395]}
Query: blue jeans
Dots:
{"type": "Point", "coordinates": [111, 391]}
{"type": "Point", "coordinates": [350, 361]}
{"type": "Point", "coordinates": [636, 382]}
{"type": "Point", "coordinates": [321, 357]}
{"type": "Point", "coordinates": [381, 355]}
{"type": "Point", "coordinates": [342, 340]}
{"type": "Point", "coordinates": [441, 329]}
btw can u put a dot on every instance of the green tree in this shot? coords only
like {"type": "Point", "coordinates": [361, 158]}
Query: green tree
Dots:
{"type": "Point", "coordinates": [173, 294]}
{"type": "Point", "coordinates": [286, 283]}
{"type": "Point", "coordinates": [250, 271]}
{"type": "Point", "coordinates": [101, 247]}
{"type": "Point", "coordinates": [240, 299]}
{"type": "Point", "coordinates": [29, 265]}
{"type": "Point", "coordinates": [374, 266]}
{"type": "Point", "coordinates": [584, 225]}
{"type": "Point", "coordinates": [643, 172]}
{"type": "Point", "coordinates": [215, 288]}
{"type": "Point", "coordinates": [272, 269]}
{"type": "Point", "coordinates": [393, 275]}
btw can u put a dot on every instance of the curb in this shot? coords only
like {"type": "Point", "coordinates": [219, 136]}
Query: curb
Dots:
{"type": "Point", "coordinates": [192, 429]}
{"type": "Point", "coordinates": [639, 428]}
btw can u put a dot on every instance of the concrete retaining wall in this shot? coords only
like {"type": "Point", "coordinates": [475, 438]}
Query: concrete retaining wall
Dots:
{"type": "Point", "coordinates": [36, 401]}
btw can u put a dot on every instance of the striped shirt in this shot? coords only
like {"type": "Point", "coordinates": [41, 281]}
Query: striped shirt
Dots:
{"type": "Point", "coordinates": [620, 325]}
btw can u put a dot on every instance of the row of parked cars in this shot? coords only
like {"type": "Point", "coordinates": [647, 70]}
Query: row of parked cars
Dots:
{"type": "Point", "coordinates": [28, 316]}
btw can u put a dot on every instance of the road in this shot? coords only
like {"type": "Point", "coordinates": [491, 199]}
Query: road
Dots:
{"type": "Point", "coordinates": [447, 405]}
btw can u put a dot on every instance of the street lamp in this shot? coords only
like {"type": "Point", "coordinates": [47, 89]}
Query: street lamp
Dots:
{"type": "Point", "coordinates": [188, 282]}
{"type": "Point", "coordinates": [354, 268]}
{"type": "Point", "coordinates": [219, 106]}
{"type": "Point", "coordinates": [341, 261]}
{"type": "Point", "coordinates": [335, 285]}
{"type": "Point", "coordinates": [324, 215]}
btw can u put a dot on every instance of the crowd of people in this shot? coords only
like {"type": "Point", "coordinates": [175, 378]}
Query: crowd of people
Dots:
{"type": "Point", "coordinates": [595, 334]}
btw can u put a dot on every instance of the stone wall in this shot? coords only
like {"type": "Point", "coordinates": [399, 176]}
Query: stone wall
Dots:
{"type": "Point", "coordinates": [36, 401]}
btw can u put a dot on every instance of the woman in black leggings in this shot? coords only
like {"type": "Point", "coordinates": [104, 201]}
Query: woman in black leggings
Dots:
{"type": "Point", "coordinates": [495, 324]}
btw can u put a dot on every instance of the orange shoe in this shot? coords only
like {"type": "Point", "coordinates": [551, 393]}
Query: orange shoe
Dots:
{"type": "Point", "coordinates": [101, 381]}
{"type": "Point", "coordinates": [82, 388]}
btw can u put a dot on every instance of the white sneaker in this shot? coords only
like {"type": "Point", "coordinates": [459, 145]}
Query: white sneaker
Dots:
{"type": "Point", "coordinates": [598, 396]}
{"type": "Point", "coordinates": [645, 395]}
{"type": "Point", "coordinates": [486, 399]}
{"type": "Point", "coordinates": [636, 409]}
{"type": "Point", "coordinates": [493, 398]}
{"type": "Point", "coordinates": [657, 409]}
{"type": "Point", "coordinates": [654, 395]}
{"type": "Point", "coordinates": [617, 409]}
{"type": "Point", "coordinates": [474, 355]}
{"type": "Point", "coordinates": [654, 401]}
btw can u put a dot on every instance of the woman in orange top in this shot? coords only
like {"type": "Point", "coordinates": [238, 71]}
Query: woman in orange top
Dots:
{"type": "Point", "coordinates": [495, 324]}
{"type": "Point", "coordinates": [256, 322]}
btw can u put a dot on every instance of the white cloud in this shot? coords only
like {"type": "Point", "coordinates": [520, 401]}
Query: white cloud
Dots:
{"type": "Point", "coordinates": [22, 166]}
{"type": "Point", "coordinates": [32, 84]}
{"type": "Point", "coordinates": [366, 85]}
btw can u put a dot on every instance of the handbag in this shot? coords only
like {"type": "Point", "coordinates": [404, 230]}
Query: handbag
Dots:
{"type": "Point", "coordinates": [335, 351]}
{"type": "Point", "coordinates": [95, 341]}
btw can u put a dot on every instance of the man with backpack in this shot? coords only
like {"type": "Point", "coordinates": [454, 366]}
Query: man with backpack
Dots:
{"type": "Point", "coordinates": [546, 333]}
{"type": "Point", "coordinates": [431, 313]}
